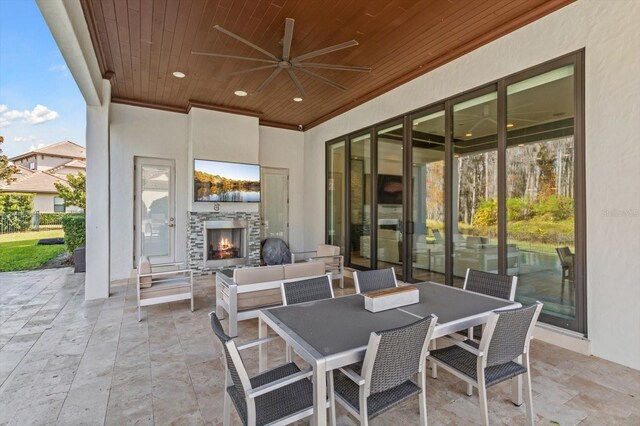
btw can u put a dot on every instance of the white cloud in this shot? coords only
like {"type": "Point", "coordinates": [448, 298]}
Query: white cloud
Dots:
{"type": "Point", "coordinates": [34, 147]}
{"type": "Point", "coordinates": [25, 138]}
{"type": "Point", "coordinates": [40, 114]}
{"type": "Point", "coordinates": [3, 107]}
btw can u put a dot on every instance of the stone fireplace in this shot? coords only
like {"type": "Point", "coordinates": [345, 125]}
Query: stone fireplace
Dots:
{"type": "Point", "coordinates": [217, 240]}
{"type": "Point", "coordinates": [225, 243]}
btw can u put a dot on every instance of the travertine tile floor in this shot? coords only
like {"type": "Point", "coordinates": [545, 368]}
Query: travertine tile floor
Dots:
{"type": "Point", "coordinates": [68, 361]}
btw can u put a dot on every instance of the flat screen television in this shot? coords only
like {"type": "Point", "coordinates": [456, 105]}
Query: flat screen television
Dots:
{"type": "Point", "coordinates": [224, 182]}
{"type": "Point", "coordinates": [389, 189]}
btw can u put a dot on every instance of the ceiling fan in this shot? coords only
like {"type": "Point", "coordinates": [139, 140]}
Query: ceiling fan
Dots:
{"type": "Point", "coordinates": [286, 63]}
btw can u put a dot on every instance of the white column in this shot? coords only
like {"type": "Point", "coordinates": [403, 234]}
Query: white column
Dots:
{"type": "Point", "coordinates": [98, 203]}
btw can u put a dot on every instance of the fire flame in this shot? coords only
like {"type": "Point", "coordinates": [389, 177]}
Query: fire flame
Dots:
{"type": "Point", "coordinates": [224, 244]}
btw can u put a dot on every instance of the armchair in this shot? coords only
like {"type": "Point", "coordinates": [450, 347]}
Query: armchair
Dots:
{"type": "Point", "coordinates": [330, 255]}
{"type": "Point", "coordinates": [162, 283]}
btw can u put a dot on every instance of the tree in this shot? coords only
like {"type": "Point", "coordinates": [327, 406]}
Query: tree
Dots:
{"type": "Point", "coordinates": [7, 170]}
{"type": "Point", "coordinates": [75, 194]}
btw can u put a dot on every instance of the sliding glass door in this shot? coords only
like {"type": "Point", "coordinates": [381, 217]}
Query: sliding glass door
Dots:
{"type": "Point", "coordinates": [360, 201]}
{"type": "Point", "coordinates": [541, 208]}
{"type": "Point", "coordinates": [428, 235]}
{"type": "Point", "coordinates": [474, 172]}
{"type": "Point", "coordinates": [336, 184]}
{"type": "Point", "coordinates": [491, 180]}
{"type": "Point", "coordinates": [389, 198]}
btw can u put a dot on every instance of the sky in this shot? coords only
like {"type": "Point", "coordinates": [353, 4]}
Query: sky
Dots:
{"type": "Point", "coordinates": [40, 103]}
{"type": "Point", "coordinates": [229, 170]}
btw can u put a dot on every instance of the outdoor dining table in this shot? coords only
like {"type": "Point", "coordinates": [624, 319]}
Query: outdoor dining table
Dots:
{"type": "Point", "coordinates": [333, 333]}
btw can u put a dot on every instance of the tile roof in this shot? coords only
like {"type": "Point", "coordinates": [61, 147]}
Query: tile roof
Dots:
{"type": "Point", "coordinates": [60, 149]}
{"type": "Point", "coordinates": [36, 182]}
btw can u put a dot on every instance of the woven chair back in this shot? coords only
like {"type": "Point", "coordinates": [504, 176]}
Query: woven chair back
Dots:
{"type": "Point", "coordinates": [489, 284]}
{"type": "Point", "coordinates": [307, 290]}
{"type": "Point", "coordinates": [399, 355]}
{"type": "Point", "coordinates": [510, 335]}
{"type": "Point", "coordinates": [376, 279]}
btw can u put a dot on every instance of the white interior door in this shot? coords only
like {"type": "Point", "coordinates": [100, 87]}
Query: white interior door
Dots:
{"type": "Point", "coordinates": [274, 204]}
{"type": "Point", "coordinates": [154, 206]}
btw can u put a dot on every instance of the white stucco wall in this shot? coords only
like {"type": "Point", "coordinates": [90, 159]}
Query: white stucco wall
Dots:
{"type": "Point", "coordinates": [609, 32]}
{"type": "Point", "coordinates": [152, 133]}
{"type": "Point", "coordinates": [221, 136]}
{"type": "Point", "coordinates": [285, 149]}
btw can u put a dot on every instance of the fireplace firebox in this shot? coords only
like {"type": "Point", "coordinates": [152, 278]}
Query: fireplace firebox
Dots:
{"type": "Point", "coordinates": [225, 243]}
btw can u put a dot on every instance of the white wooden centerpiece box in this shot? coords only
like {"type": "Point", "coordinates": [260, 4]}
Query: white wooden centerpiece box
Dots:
{"type": "Point", "coordinates": [390, 298]}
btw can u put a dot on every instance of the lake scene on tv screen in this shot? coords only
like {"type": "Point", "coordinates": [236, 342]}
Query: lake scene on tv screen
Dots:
{"type": "Point", "coordinates": [218, 181]}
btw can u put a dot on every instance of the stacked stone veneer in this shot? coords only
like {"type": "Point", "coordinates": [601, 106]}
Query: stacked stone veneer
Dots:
{"type": "Point", "coordinates": [195, 237]}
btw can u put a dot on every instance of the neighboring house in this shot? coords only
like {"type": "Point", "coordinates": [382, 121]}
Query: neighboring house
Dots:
{"type": "Point", "coordinates": [53, 157]}
{"type": "Point", "coordinates": [39, 169]}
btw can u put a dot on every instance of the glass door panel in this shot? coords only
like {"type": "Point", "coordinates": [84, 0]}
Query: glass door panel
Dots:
{"type": "Point", "coordinates": [275, 203]}
{"type": "Point", "coordinates": [428, 205]}
{"type": "Point", "coordinates": [540, 190]}
{"type": "Point", "coordinates": [155, 209]}
{"type": "Point", "coordinates": [474, 184]}
{"type": "Point", "coordinates": [389, 192]}
{"type": "Point", "coordinates": [335, 195]}
{"type": "Point", "coordinates": [360, 201]}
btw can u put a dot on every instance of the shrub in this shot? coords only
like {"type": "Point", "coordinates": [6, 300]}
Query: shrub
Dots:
{"type": "Point", "coordinates": [74, 231]}
{"type": "Point", "coordinates": [50, 218]}
{"type": "Point", "coordinates": [555, 208]}
{"type": "Point", "coordinates": [17, 210]}
{"type": "Point", "coordinates": [487, 213]}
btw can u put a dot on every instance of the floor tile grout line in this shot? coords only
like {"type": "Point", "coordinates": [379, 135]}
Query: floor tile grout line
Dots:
{"type": "Point", "coordinates": [39, 337]}
{"type": "Point", "coordinates": [80, 289]}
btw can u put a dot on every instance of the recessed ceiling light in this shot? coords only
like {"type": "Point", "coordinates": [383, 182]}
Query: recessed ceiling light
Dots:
{"type": "Point", "coordinates": [179, 74]}
{"type": "Point", "coordinates": [509, 124]}
{"type": "Point", "coordinates": [297, 99]}
{"type": "Point", "coordinates": [468, 134]}
{"type": "Point", "coordinates": [240, 93]}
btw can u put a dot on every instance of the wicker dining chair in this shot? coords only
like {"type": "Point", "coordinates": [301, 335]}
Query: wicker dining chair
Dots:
{"type": "Point", "coordinates": [376, 279]}
{"type": "Point", "coordinates": [302, 291]}
{"type": "Point", "coordinates": [502, 286]}
{"type": "Point", "coordinates": [384, 379]}
{"type": "Point", "coordinates": [502, 354]}
{"type": "Point", "coordinates": [282, 394]}
{"type": "Point", "coordinates": [307, 290]}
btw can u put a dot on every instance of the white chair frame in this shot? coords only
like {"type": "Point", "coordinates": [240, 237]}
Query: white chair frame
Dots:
{"type": "Point", "coordinates": [363, 380]}
{"type": "Point", "coordinates": [481, 353]}
{"type": "Point", "coordinates": [167, 275]}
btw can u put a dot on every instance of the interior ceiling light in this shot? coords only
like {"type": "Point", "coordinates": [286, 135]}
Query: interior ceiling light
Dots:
{"type": "Point", "coordinates": [509, 125]}
{"type": "Point", "coordinates": [298, 99]}
{"type": "Point", "coordinates": [468, 135]}
{"type": "Point", "coordinates": [286, 63]}
{"type": "Point", "coordinates": [179, 74]}
{"type": "Point", "coordinates": [240, 93]}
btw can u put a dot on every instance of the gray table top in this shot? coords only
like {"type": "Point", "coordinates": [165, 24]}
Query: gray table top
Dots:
{"type": "Point", "coordinates": [342, 324]}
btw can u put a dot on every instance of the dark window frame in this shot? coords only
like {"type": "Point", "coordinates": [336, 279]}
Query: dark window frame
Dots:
{"type": "Point", "coordinates": [579, 324]}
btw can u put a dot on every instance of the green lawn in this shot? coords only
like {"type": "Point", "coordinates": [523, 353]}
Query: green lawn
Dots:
{"type": "Point", "coordinates": [20, 252]}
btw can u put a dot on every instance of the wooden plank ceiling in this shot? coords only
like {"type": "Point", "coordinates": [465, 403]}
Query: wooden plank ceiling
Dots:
{"type": "Point", "coordinates": [140, 43]}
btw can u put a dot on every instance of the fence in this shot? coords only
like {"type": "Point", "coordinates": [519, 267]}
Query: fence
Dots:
{"type": "Point", "coordinates": [29, 221]}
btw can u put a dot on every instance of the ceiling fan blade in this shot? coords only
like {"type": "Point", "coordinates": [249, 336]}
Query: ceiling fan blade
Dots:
{"type": "Point", "coordinates": [262, 67]}
{"type": "Point", "coordinates": [296, 82]}
{"type": "Point", "coordinates": [321, 78]}
{"type": "Point", "coordinates": [242, 40]}
{"type": "Point", "coordinates": [269, 79]}
{"type": "Point", "coordinates": [288, 38]}
{"type": "Point", "coordinates": [244, 58]}
{"type": "Point", "coordinates": [332, 67]}
{"type": "Point", "coordinates": [326, 50]}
